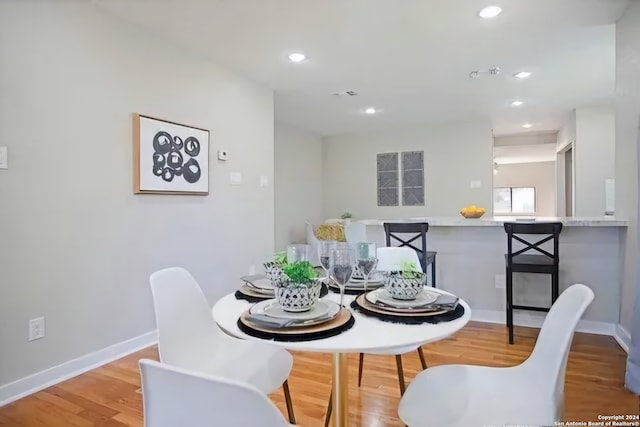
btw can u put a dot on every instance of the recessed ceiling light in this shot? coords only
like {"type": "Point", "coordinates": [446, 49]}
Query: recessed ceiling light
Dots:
{"type": "Point", "coordinates": [522, 75]}
{"type": "Point", "coordinates": [517, 103]}
{"type": "Point", "coordinates": [297, 57]}
{"type": "Point", "coordinates": [490, 12]}
{"type": "Point", "coordinates": [370, 110]}
{"type": "Point", "coordinates": [527, 125]}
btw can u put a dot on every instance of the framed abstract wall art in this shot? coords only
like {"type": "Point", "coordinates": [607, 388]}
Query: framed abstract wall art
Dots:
{"type": "Point", "coordinates": [169, 158]}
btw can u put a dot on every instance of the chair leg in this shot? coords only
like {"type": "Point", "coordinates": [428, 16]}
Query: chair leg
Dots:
{"type": "Point", "coordinates": [327, 417]}
{"type": "Point", "coordinates": [422, 361]}
{"type": "Point", "coordinates": [287, 398]}
{"type": "Point", "coordinates": [510, 304]}
{"type": "Point", "coordinates": [400, 374]}
{"type": "Point", "coordinates": [433, 273]}
{"type": "Point", "coordinates": [360, 365]}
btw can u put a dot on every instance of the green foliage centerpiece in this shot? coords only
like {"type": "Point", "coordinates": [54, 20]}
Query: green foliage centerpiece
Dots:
{"type": "Point", "coordinates": [406, 283]}
{"type": "Point", "coordinates": [299, 287]}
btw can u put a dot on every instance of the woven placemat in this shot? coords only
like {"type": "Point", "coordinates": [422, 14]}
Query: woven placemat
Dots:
{"type": "Point", "coordinates": [410, 320]}
{"type": "Point", "coordinates": [336, 290]}
{"type": "Point", "coordinates": [343, 322]}
{"type": "Point", "coordinates": [256, 297]}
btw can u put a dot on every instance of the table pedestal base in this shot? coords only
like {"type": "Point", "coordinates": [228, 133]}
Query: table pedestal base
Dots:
{"type": "Point", "coordinates": [340, 386]}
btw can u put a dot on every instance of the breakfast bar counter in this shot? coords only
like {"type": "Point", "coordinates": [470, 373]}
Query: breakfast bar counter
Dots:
{"type": "Point", "coordinates": [471, 264]}
{"type": "Point", "coordinates": [498, 221]}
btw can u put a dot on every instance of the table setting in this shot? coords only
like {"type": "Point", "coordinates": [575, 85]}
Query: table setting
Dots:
{"type": "Point", "coordinates": [289, 304]}
{"type": "Point", "coordinates": [287, 301]}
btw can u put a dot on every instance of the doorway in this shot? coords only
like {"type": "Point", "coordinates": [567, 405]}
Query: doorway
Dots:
{"type": "Point", "coordinates": [568, 182]}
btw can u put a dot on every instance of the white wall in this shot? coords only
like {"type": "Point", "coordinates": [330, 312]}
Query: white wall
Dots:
{"type": "Point", "coordinates": [594, 158]}
{"type": "Point", "coordinates": [566, 136]}
{"type": "Point", "coordinates": [298, 183]}
{"type": "Point", "coordinates": [454, 153]}
{"type": "Point", "coordinates": [540, 175]}
{"type": "Point", "coordinates": [592, 131]}
{"type": "Point", "coordinates": [627, 119]}
{"type": "Point", "coordinates": [77, 245]}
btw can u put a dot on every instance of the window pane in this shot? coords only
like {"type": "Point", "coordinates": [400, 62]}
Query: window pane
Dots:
{"type": "Point", "coordinates": [523, 200]}
{"type": "Point", "coordinates": [413, 178]}
{"type": "Point", "coordinates": [502, 200]}
{"type": "Point", "coordinates": [388, 175]}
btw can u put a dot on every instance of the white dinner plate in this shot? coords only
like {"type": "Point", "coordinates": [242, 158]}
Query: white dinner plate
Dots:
{"type": "Point", "coordinates": [321, 309]}
{"type": "Point", "coordinates": [381, 295]}
{"type": "Point", "coordinates": [376, 278]}
{"type": "Point", "coordinates": [360, 285]}
{"type": "Point", "coordinates": [263, 284]}
{"type": "Point", "coordinates": [266, 292]}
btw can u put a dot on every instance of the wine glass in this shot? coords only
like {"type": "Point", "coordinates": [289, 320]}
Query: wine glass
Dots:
{"type": "Point", "coordinates": [325, 250]}
{"type": "Point", "coordinates": [342, 266]}
{"type": "Point", "coordinates": [297, 252]}
{"type": "Point", "coordinates": [366, 259]}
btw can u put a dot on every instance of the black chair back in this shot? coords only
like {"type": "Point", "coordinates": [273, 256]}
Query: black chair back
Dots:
{"type": "Point", "coordinates": [419, 231]}
{"type": "Point", "coordinates": [550, 229]}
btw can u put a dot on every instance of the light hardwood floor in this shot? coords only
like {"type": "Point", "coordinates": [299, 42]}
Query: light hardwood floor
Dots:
{"type": "Point", "coordinates": [110, 395]}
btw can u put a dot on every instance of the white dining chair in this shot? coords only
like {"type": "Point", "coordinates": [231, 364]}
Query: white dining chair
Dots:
{"type": "Point", "coordinates": [390, 259]}
{"type": "Point", "coordinates": [531, 393]}
{"type": "Point", "coordinates": [354, 233]}
{"type": "Point", "coordinates": [189, 338]}
{"type": "Point", "coordinates": [314, 243]}
{"type": "Point", "coordinates": [174, 397]}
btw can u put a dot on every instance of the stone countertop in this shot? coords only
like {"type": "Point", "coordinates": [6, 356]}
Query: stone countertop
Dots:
{"type": "Point", "coordinates": [498, 221]}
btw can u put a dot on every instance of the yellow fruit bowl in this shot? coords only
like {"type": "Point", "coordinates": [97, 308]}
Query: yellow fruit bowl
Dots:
{"type": "Point", "coordinates": [469, 215]}
{"type": "Point", "coordinates": [472, 212]}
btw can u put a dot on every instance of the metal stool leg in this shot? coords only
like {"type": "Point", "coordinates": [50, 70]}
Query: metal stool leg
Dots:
{"type": "Point", "coordinates": [554, 286]}
{"type": "Point", "coordinates": [510, 304]}
{"type": "Point", "coordinates": [433, 273]}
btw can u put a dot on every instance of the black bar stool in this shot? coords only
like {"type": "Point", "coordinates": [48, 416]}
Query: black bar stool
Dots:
{"type": "Point", "coordinates": [521, 261]}
{"type": "Point", "coordinates": [392, 229]}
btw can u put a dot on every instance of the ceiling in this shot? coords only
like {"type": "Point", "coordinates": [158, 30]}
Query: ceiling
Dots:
{"type": "Point", "coordinates": [409, 58]}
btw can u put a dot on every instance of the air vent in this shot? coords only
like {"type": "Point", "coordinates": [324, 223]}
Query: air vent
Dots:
{"type": "Point", "coordinates": [345, 93]}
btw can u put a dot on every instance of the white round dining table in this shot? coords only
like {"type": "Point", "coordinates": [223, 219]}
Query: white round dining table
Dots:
{"type": "Point", "coordinates": [367, 335]}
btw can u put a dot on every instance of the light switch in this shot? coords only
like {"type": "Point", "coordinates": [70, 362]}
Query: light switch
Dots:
{"type": "Point", "coordinates": [235, 178]}
{"type": "Point", "coordinates": [475, 184]}
{"type": "Point", "coordinates": [4, 161]}
{"type": "Point", "coordinates": [264, 181]}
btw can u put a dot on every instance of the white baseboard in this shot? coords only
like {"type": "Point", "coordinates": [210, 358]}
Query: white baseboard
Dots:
{"type": "Point", "coordinates": [41, 380]}
{"type": "Point", "coordinates": [535, 320]}
{"type": "Point", "coordinates": [623, 337]}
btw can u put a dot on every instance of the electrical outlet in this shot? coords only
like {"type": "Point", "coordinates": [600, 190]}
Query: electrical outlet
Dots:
{"type": "Point", "coordinates": [252, 270]}
{"type": "Point", "coordinates": [36, 329]}
{"type": "Point", "coordinates": [501, 281]}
